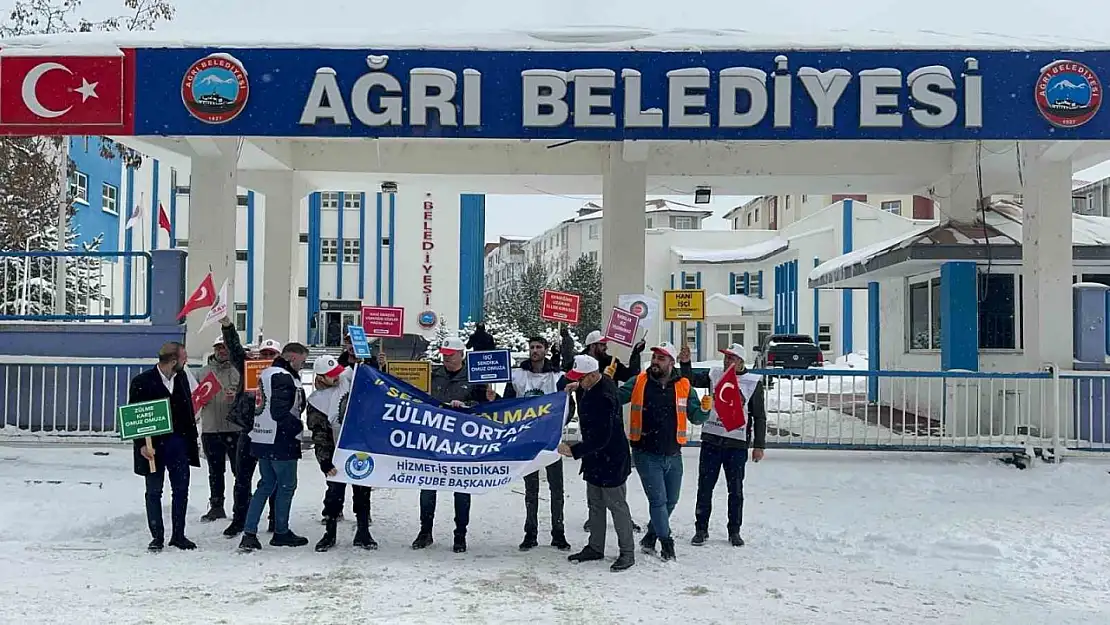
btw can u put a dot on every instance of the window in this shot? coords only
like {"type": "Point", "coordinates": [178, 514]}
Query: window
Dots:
{"type": "Point", "coordinates": [690, 281]}
{"type": "Point", "coordinates": [762, 331]}
{"type": "Point", "coordinates": [240, 317]}
{"type": "Point", "coordinates": [79, 187]}
{"type": "Point", "coordinates": [649, 223]}
{"type": "Point", "coordinates": [241, 255]}
{"type": "Point", "coordinates": [735, 223]}
{"type": "Point", "coordinates": [692, 336]}
{"type": "Point", "coordinates": [594, 231]}
{"type": "Point", "coordinates": [329, 250]}
{"type": "Point", "coordinates": [302, 292]}
{"type": "Point", "coordinates": [683, 223]}
{"type": "Point", "coordinates": [804, 197]}
{"type": "Point", "coordinates": [109, 198]}
{"type": "Point", "coordinates": [105, 305]}
{"type": "Point", "coordinates": [1079, 204]}
{"type": "Point", "coordinates": [593, 257]}
{"type": "Point", "coordinates": [303, 238]}
{"type": "Point", "coordinates": [924, 312]}
{"type": "Point", "coordinates": [998, 306]}
{"type": "Point", "coordinates": [241, 200]}
{"type": "Point", "coordinates": [892, 206]}
{"type": "Point", "coordinates": [352, 200]}
{"type": "Point", "coordinates": [749, 220]}
{"type": "Point", "coordinates": [350, 250]}
{"type": "Point", "coordinates": [329, 199]}
{"type": "Point", "coordinates": [757, 215]}
{"type": "Point", "coordinates": [787, 202]}
{"type": "Point", "coordinates": [183, 243]}
{"type": "Point", "coordinates": [755, 284]}
{"type": "Point", "coordinates": [824, 337]}
{"type": "Point", "coordinates": [729, 333]}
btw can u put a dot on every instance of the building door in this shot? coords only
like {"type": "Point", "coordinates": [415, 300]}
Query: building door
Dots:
{"type": "Point", "coordinates": [333, 329]}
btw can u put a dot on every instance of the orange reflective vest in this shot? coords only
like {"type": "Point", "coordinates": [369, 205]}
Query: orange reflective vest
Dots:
{"type": "Point", "coordinates": [636, 420]}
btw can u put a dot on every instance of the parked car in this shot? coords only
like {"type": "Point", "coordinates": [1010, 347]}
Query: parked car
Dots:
{"type": "Point", "coordinates": [789, 351]}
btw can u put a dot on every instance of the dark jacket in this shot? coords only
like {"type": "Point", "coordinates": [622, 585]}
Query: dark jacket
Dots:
{"type": "Point", "coordinates": [448, 387]}
{"type": "Point", "coordinates": [285, 393]}
{"type": "Point", "coordinates": [550, 365]}
{"type": "Point", "coordinates": [241, 412]}
{"type": "Point", "coordinates": [660, 414]}
{"type": "Point", "coordinates": [624, 372]}
{"type": "Point", "coordinates": [346, 359]}
{"type": "Point", "coordinates": [756, 412]}
{"type": "Point", "coordinates": [481, 341]}
{"type": "Point", "coordinates": [606, 461]}
{"type": "Point", "coordinates": [323, 435]}
{"type": "Point", "coordinates": [148, 386]}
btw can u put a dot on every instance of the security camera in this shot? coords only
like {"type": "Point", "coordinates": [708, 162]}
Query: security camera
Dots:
{"type": "Point", "coordinates": [389, 187]}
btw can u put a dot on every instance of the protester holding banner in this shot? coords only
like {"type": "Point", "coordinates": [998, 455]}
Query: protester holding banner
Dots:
{"type": "Point", "coordinates": [606, 463]}
{"type": "Point", "coordinates": [737, 420]}
{"type": "Point", "coordinates": [596, 346]}
{"type": "Point", "coordinates": [450, 385]}
{"type": "Point", "coordinates": [537, 376]}
{"type": "Point", "coordinates": [171, 453]}
{"type": "Point", "coordinates": [662, 402]}
{"type": "Point", "coordinates": [241, 414]}
{"type": "Point", "coordinates": [219, 436]}
{"type": "Point", "coordinates": [275, 441]}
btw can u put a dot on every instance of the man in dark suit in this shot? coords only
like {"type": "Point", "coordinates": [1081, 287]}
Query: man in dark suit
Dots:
{"type": "Point", "coordinates": [173, 453]}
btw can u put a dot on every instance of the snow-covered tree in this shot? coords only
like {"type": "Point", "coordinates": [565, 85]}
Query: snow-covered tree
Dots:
{"type": "Point", "coordinates": [443, 332]}
{"type": "Point", "coordinates": [505, 333]}
{"type": "Point", "coordinates": [584, 279]}
{"type": "Point", "coordinates": [522, 304]}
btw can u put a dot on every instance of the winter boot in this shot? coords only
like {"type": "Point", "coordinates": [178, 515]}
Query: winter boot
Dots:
{"type": "Point", "coordinates": [700, 536]}
{"type": "Point", "coordinates": [423, 539]}
{"type": "Point", "coordinates": [234, 529]}
{"type": "Point", "coordinates": [586, 555]}
{"type": "Point", "coordinates": [249, 543]}
{"type": "Point", "coordinates": [559, 541]}
{"type": "Point", "coordinates": [155, 545]}
{"type": "Point", "coordinates": [362, 534]}
{"type": "Point", "coordinates": [460, 543]}
{"type": "Point", "coordinates": [529, 542]}
{"type": "Point", "coordinates": [328, 541]}
{"type": "Point", "coordinates": [666, 550]}
{"type": "Point", "coordinates": [636, 527]}
{"type": "Point", "coordinates": [215, 511]}
{"type": "Point", "coordinates": [735, 540]}
{"type": "Point", "coordinates": [647, 543]}
{"type": "Point", "coordinates": [288, 539]}
{"type": "Point", "coordinates": [623, 563]}
{"type": "Point", "coordinates": [270, 526]}
{"type": "Point", "coordinates": [183, 543]}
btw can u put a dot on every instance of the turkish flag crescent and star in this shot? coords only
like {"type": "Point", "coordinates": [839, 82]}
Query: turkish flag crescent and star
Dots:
{"type": "Point", "coordinates": [163, 219]}
{"type": "Point", "coordinates": [205, 391]}
{"type": "Point", "coordinates": [203, 297]}
{"type": "Point", "coordinates": [729, 402]}
{"type": "Point", "coordinates": [62, 94]}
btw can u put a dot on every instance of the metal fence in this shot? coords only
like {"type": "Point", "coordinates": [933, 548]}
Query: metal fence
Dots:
{"type": "Point", "coordinates": [98, 286]}
{"type": "Point", "coordinates": [1088, 393]}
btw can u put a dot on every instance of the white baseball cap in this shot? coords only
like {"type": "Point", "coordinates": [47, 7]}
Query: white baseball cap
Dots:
{"type": "Point", "coordinates": [219, 341]}
{"type": "Point", "coordinates": [595, 337]}
{"type": "Point", "coordinates": [667, 349]}
{"type": "Point", "coordinates": [452, 345]}
{"type": "Point", "coordinates": [583, 365]}
{"type": "Point", "coordinates": [736, 350]}
{"type": "Point", "coordinates": [269, 345]}
{"type": "Point", "coordinates": [328, 366]}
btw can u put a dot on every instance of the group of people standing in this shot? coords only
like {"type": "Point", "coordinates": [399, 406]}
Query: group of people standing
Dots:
{"type": "Point", "coordinates": [248, 428]}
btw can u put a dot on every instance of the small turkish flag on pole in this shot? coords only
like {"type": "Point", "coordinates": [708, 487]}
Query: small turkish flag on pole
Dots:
{"type": "Point", "coordinates": [728, 401]}
{"type": "Point", "coordinates": [205, 391]}
{"type": "Point", "coordinates": [163, 218]}
{"type": "Point", "coordinates": [203, 297]}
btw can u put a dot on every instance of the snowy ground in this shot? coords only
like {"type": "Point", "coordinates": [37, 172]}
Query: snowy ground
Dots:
{"type": "Point", "coordinates": [834, 537]}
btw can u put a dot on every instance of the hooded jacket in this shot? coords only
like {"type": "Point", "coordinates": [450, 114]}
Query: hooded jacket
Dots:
{"type": "Point", "coordinates": [214, 414]}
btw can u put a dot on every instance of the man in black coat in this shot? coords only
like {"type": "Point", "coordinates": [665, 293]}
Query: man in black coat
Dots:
{"type": "Point", "coordinates": [173, 453]}
{"type": "Point", "coordinates": [480, 340]}
{"type": "Point", "coordinates": [606, 461]}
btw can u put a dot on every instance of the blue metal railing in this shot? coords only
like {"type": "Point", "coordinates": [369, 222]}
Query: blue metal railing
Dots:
{"type": "Point", "coordinates": [100, 286]}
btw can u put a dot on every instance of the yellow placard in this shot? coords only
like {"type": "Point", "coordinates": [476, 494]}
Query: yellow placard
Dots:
{"type": "Point", "coordinates": [416, 372]}
{"type": "Point", "coordinates": [684, 305]}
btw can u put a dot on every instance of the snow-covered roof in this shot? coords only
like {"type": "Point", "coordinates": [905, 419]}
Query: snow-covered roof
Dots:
{"type": "Point", "coordinates": [592, 210]}
{"type": "Point", "coordinates": [514, 238]}
{"type": "Point", "coordinates": [581, 38]}
{"type": "Point", "coordinates": [1003, 227]}
{"type": "Point", "coordinates": [749, 253]}
{"type": "Point", "coordinates": [744, 303]}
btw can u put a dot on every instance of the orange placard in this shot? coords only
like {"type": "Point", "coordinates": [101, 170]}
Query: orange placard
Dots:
{"type": "Point", "coordinates": [252, 372]}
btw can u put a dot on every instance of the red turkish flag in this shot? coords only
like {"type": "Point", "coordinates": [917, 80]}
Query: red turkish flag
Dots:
{"type": "Point", "coordinates": [205, 391]}
{"type": "Point", "coordinates": [728, 401]}
{"type": "Point", "coordinates": [203, 297]}
{"type": "Point", "coordinates": [163, 219]}
{"type": "Point", "coordinates": [56, 93]}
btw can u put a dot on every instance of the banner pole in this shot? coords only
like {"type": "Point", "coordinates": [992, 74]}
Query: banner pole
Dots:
{"type": "Point", "coordinates": [153, 466]}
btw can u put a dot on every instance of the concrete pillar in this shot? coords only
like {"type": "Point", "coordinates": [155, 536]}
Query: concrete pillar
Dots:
{"type": "Point", "coordinates": [167, 281]}
{"type": "Point", "coordinates": [959, 316]}
{"type": "Point", "coordinates": [283, 196]}
{"type": "Point", "coordinates": [1090, 322]}
{"type": "Point", "coordinates": [622, 224]}
{"type": "Point", "coordinates": [212, 220]}
{"type": "Point", "coordinates": [957, 195]}
{"type": "Point", "coordinates": [1047, 262]}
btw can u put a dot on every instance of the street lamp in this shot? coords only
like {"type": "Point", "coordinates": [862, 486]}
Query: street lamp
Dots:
{"type": "Point", "coordinates": [27, 270]}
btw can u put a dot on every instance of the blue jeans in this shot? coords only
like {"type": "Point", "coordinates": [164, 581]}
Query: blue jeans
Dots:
{"type": "Point", "coordinates": [171, 458]}
{"type": "Point", "coordinates": [661, 477]}
{"type": "Point", "coordinates": [279, 478]}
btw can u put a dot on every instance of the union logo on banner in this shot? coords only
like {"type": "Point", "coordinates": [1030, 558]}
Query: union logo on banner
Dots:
{"type": "Point", "coordinates": [1068, 94]}
{"type": "Point", "coordinates": [57, 95]}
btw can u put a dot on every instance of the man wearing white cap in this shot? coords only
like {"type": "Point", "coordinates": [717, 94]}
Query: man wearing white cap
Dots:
{"type": "Point", "coordinates": [219, 436]}
{"type": "Point", "coordinates": [449, 384]}
{"type": "Point", "coordinates": [597, 347]}
{"type": "Point", "coordinates": [727, 448]}
{"type": "Point", "coordinates": [662, 403]}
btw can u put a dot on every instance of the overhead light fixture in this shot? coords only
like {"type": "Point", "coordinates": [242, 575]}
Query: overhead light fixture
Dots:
{"type": "Point", "coordinates": [702, 195]}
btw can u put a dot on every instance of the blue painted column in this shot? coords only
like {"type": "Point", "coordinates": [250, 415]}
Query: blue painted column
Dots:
{"type": "Point", "coordinates": [155, 207]}
{"type": "Point", "coordinates": [873, 337]}
{"type": "Point", "coordinates": [699, 329]}
{"type": "Point", "coordinates": [313, 300]}
{"type": "Point", "coordinates": [959, 316]}
{"type": "Point", "coordinates": [393, 245]}
{"type": "Point", "coordinates": [759, 291]}
{"type": "Point", "coordinates": [747, 283]}
{"type": "Point", "coordinates": [1089, 322]}
{"type": "Point", "coordinates": [816, 307]}
{"type": "Point", "coordinates": [472, 243]}
{"type": "Point", "coordinates": [731, 283]}
{"type": "Point", "coordinates": [362, 246]}
{"type": "Point", "coordinates": [173, 208]}
{"type": "Point", "coordinates": [378, 253]}
{"type": "Point", "coordinates": [846, 314]}
{"type": "Point", "coordinates": [252, 223]}
{"type": "Point", "coordinates": [339, 245]}
{"type": "Point", "coordinates": [167, 280]}
{"type": "Point", "coordinates": [128, 242]}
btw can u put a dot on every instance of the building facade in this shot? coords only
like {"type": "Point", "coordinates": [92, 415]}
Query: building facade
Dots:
{"type": "Point", "coordinates": [504, 265]}
{"type": "Point", "coordinates": [774, 212]}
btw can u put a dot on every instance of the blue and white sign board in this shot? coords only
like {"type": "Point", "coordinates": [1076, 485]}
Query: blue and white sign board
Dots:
{"type": "Point", "coordinates": [359, 342]}
{"type": "Point", "coordinates": [489, 367]}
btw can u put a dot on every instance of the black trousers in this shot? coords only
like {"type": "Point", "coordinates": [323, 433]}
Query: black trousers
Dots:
{"type": "Point", "coordinates": [532, 499]}
{"type": "Point", "coordinates": [245, 464]}
{"type": "Point", "coordinates": [336, 493]}
{"type": "Point", "coordinates": [219, 451]}
{"type": "Point", "coordinates": [172, 459]}
{"type": "Point", "coordinates": [428, 511]}
{"type": "Point", "coordinates": [712, 459]}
